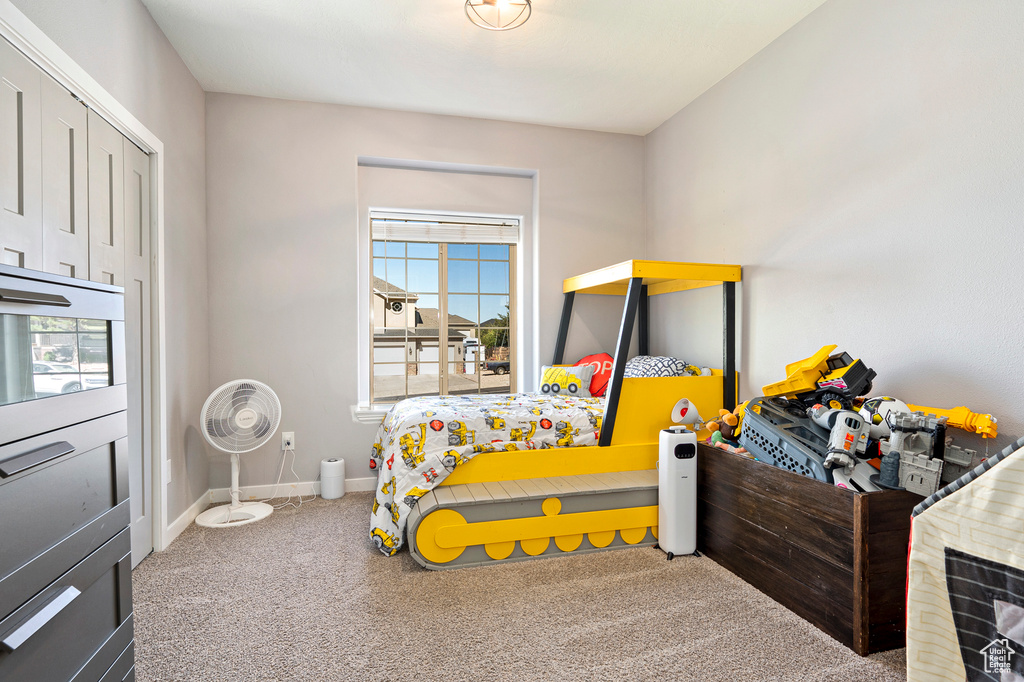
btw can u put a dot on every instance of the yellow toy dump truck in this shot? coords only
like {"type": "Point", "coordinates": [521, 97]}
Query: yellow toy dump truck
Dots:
{"type": "Point", "coordinates": [831, 379]}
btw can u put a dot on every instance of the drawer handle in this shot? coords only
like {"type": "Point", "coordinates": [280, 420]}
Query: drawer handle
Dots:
{"type": "Point", "coordinates": [39, 619]}
{"type": "Point", "coordinates": [33, 297]}
{"type": "Point", "coordinates": [27, 460]}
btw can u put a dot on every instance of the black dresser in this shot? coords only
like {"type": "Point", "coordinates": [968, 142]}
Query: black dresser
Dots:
{"type": "Point", "coordinates": [65, 548]}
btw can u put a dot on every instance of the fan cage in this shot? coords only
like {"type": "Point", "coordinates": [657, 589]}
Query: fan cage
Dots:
{"type": "Point", "coordinates": [221, 415]}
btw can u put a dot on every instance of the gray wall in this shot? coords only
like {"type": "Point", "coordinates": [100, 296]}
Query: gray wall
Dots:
{"type": "Point", "coordinates": [119, 45]}
{"type": "Point", "coordinates": [867, 170]}
{"type": "Point", "coordinates": [283, 234]}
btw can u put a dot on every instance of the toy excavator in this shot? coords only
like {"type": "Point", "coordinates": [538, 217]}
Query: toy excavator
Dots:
{"type": "Point", "coordinates": [831, 379]}
{"type": "Point", "coordinates": [963, 418]}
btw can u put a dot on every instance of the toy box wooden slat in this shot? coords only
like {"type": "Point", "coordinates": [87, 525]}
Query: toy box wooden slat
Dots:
{"type": "Point", "coordinates": [835, 558]}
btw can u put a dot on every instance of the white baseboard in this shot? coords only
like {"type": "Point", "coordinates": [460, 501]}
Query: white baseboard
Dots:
{"type": "Point", "coordinates": [360, 485]}
{"type": "Point", "coordinates": [187, 517]}
{"type": "Point", "coordinates": [263, 492]}
{"type": "Point", "coordinates": [256, 492]}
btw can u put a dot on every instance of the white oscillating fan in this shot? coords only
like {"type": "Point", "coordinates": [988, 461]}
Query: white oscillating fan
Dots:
{"type": "Point", "coordinates": [239, 417]}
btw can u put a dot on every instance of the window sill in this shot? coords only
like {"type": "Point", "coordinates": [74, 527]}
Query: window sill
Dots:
{"type": "Point", "coordinates": [363, 414]}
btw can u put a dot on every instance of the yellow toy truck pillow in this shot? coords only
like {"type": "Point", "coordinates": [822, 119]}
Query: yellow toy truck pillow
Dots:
{"type": "Point", "coordinates": [574, 381]}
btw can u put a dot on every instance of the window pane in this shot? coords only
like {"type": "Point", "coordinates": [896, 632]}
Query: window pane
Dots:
{"type": "Point", "coordinates": [463, 378]}
{"type": "Point", "coordinates": [92, 352]}
{"type": "Point", "coordinates": [493, 277]}
{"type": "Point", "coordinates": [494, 311]}
{"type": "Point", "coordinates": [388, 382]}
{"type": "Point", "coordinates": [462, 250]}
{"type": "Point", "coordinates": [463, 307]}
{"type": "Point", "coordinates": [462, 276]}
{"type": "Point", "coordinates": [423, 276]}
{"type": "Point", "coordinates": [418, 250]}
{"type": "Point", "coordinates": [92, 326]}
{"type": "Point", "coordinates": [395, 273]}
{"type": "Point", "coordinates": [52, 324]}
{"type": "Point", "coordinates": [427, 301]}
{"type": "Point", "coordinates": [497, 379]}
{"type": "Point", "coordinates": [408, 353]}
{"type": "Point", "coordinates": [496, 341]}
{"type": "Point", "coordinates": [494, 251]}
{"type": "Point", "coordinates": [388, 348]}
{"type": "Point", "coordinates": [424, 377]}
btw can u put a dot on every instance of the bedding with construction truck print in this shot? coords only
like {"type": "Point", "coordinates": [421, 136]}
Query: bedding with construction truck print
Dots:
{"type": "Point", "coordinates": [422, 440]}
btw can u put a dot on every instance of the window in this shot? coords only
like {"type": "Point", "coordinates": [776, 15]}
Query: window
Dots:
{"type": "Point", "coordinates": [442, 308]}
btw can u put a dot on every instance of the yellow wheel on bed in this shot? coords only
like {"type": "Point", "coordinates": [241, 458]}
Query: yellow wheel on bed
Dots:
{"type": "Point", "coordinates": [499, 550]}
{"type": "Point", "coordinates": [535, 546]}
{"type": "Point", "coordinates": [654, 532]}
{"type": "Point", "coordinates": [426, 536]}
{"type": "Point", "coordinates": [602, 539]}
{"type": "Point", "coordinates": [631, 536]}
{"type": "Point", "coordinates": [569, 543]}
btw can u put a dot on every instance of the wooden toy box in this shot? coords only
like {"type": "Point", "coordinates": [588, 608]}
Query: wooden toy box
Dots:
{"type": "Point", "coordinates": [835, 558]}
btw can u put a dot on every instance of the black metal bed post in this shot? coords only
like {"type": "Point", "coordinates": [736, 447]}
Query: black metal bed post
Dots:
{"type": "Point", "coordinates": [729, 351]}
{"type": "Point", "coordinates": [563, 327]}
{"type": "Point", "coordinates": [644, 321]}
{"type": "Point", "coordinates": [619, 365]}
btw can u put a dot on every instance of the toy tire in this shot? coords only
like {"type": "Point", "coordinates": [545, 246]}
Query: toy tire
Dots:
{"type": "Point", "coordinates": [545, 388]}
{"type": "Point", "coordinates": [834, 400]}
{"type": "Point", "coordinates": [555, 388]}
{"type": "Point", "coordinates": [573, 388]}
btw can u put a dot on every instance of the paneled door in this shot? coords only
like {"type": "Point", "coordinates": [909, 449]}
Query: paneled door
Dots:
{"type": "Point", "coordinates": [21, 227]}
{"type": "Point", "coordinates": [65, 182]}
{"type": "Point", "coordinates": [137, 341]}
{"type": "Point", "coordinates": [106, 202]}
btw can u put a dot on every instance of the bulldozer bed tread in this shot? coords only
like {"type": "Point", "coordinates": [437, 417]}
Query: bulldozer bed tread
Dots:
{"type": "Point", "coordinates": [535, 499]}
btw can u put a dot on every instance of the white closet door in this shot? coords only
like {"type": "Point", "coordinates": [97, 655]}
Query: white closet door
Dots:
{"type": "Point", "coordinates": [137, 340]}
{"type": "Point", "coordinates": [106, 202]}
{"type": "Point", "coordinates": [65, 182]}
{"type": "Point", "coordinates": [21, 227]}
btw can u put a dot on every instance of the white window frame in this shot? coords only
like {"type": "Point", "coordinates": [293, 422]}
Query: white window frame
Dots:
{"type": "Point", "coordinates": [444, 230]}
{"type": "Point", "coordinates": [522, 326]}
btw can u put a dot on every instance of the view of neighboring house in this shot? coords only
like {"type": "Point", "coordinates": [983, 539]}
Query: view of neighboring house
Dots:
{"type": "Point", "coordinates": [409, 334]}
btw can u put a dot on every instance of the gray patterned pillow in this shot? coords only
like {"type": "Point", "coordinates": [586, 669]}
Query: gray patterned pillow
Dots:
{"type": "Point", "coordinates": [658, 366]}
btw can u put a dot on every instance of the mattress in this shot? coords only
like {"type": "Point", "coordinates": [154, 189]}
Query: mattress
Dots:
{"type": "Point", "coordinates": [422, 440]}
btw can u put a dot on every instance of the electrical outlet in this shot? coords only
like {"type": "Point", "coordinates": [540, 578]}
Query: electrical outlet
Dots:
{"type": "Point", "coordinates": [288, 440]}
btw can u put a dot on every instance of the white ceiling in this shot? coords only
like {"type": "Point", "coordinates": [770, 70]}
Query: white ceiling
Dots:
{"type": "Point", "coordinates": [612, 65]}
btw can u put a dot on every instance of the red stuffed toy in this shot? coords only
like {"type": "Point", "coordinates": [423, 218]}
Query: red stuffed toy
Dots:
{"type": "Point", "coordinates": [602, 363]}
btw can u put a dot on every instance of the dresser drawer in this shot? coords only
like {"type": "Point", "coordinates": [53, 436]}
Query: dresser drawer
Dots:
{"type": "Point", "coordinates": [123, 668]}
{"type": "Point", "coordinates": [75, 628]}
{"type": "Point", "coordinates": [59, 510]}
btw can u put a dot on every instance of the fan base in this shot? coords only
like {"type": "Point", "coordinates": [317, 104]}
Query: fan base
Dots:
{"type": "Point", "coordinates": [227, 516]}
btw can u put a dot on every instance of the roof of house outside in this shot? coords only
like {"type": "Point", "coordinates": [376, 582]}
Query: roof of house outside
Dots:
{"type": "Point", "coordinates": [429, 317]}
{"type": "Point", "coordinates": [388, 289]}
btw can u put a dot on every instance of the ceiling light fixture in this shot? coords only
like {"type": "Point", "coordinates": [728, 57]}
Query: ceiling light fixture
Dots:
{"type": "Point", "coordinates": [498, 15]}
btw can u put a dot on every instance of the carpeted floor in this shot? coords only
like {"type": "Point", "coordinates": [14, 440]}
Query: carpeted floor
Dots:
{"type": "Point", "coordinates": [304, 595]}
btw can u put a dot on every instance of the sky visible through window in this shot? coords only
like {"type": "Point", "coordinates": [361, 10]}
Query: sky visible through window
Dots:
{"type": "Point", "coordinates": [478, 276]}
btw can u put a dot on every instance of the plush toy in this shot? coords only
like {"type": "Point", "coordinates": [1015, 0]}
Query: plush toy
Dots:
{"type": "Point", "coordinates": [725, 430]}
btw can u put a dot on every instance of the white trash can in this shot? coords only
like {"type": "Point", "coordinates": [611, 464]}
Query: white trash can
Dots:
{"type": "Point", "coordinates": [332, 478]}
